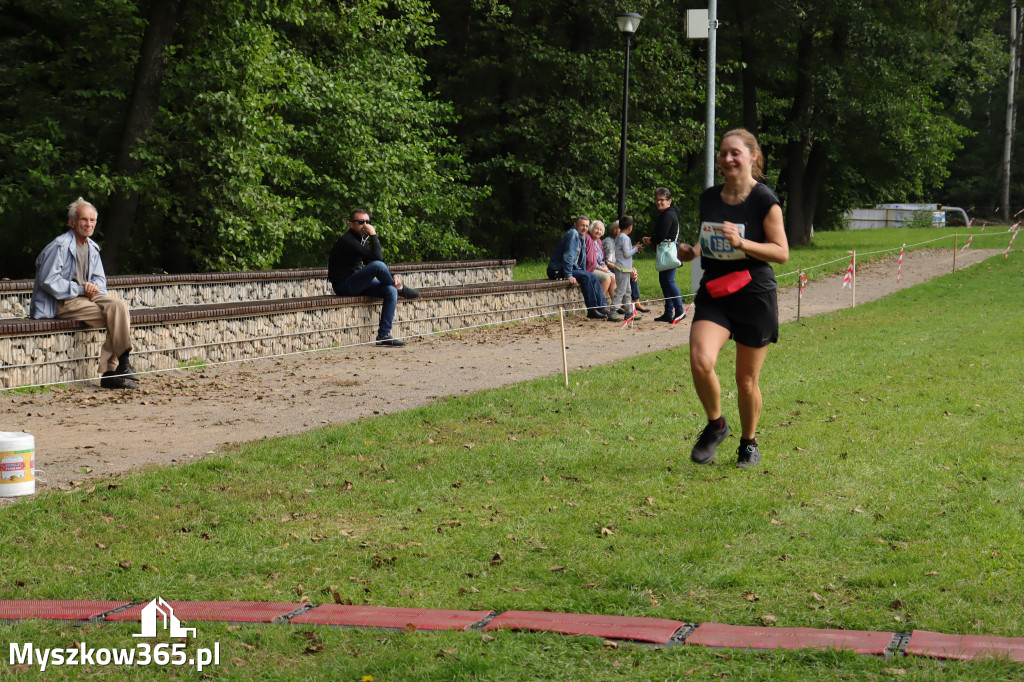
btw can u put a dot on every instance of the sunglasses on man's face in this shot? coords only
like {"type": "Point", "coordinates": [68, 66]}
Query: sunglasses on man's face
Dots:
{"type": "Point", "coordinates": [359, 222]}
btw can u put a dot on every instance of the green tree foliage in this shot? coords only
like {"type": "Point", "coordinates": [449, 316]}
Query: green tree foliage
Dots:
{"type": "Point", "coordinates": [857, 101]}
{"type": "Point", "coordinates": [63, 69]}
{"type": "Point", "coordinates": [538, 89]}
{"type": "Point", "coordinates": [978, 92]}
{"type": "Point", "coordinates": [276, 118]}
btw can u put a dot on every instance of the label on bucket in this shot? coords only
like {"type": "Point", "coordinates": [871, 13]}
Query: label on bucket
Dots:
{"type": "Point", "coordinates": [17, 467]}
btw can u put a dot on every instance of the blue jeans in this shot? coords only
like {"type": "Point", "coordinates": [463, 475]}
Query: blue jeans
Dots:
{"type": "Point", "coordinates": [669, 289]}
{"type": "Point", "coordinates": [590, 286]}
{"type": "Point", "coordinates": [374, 280]}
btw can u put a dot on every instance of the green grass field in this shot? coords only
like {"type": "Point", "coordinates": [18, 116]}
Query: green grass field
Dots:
{"type": "Point", "coordinates": [891, 497]}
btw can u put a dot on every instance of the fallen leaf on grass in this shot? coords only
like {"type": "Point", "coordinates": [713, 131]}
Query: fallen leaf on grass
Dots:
{"type": "Point", "coordinates": [769, 619]}
{"type": "Point", "coordinates": [892, 672]}
{"type": "Point", "coordinates": [750, 596]}
{"type": "Point", "coordinates": [556, 568]}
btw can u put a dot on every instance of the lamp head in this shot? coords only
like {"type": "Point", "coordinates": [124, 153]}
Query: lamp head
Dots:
{"type": "Point", "coordinates": [628, 23]}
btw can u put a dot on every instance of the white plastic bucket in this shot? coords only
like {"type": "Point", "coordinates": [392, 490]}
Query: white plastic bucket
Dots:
{"type": "Point", "coordinates": [17, 464]}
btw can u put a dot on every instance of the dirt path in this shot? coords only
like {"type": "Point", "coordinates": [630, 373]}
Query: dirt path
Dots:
{"type": "Point", "coordinates": [84, 432]}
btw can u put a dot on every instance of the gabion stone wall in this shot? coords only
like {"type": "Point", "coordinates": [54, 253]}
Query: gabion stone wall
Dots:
{"type": "Point", "coordinates": [15, 302]}
{"type": "Point", "coordinates": [65, 356]}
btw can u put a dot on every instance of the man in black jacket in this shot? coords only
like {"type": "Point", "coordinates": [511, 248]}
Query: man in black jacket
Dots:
{"type": "Point", "coordinates": [357, 268]}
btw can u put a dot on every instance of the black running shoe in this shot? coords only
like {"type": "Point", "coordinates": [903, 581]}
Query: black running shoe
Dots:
{"type": "Point", "coordinates": [388, 341]}
{"type": "Point", "coordinates": [408, 292]}
{"type": "Point", "coordinates": [750, 456]}
{"type": "Point", "coordinates": [704, 451]}
{"type": "Point", "coordinates": [113, 380]}
{"type": "Point", "coordinates": [666, 317]}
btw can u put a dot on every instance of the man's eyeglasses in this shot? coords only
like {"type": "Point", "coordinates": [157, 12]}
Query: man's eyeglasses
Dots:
{"type": "Point", "coordinates": [359, 222]}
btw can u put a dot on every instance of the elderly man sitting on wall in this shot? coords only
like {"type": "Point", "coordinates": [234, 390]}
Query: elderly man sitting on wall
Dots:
{"type": "Point", "coordinates": [71, 285]}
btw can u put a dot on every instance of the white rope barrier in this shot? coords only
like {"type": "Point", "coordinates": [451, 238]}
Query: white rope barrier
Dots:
{"type": "Point", "coordinates": [523, 318]}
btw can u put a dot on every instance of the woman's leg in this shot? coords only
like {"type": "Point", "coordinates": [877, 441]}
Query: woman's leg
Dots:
{"type": "Point", "coordinates": [706, 340]}
{"type": "Point", "coordinates": [748, 371]}
{"type": "Point", "coordinates": [670, 290]}
{"type": "Point", "coordinates": [609, 287]}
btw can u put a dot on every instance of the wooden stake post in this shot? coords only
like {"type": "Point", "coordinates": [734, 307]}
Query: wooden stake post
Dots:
{"type": "Point", "coordinates": [799, 291]}
{"type": "Point", "coordinates": [565, 363]}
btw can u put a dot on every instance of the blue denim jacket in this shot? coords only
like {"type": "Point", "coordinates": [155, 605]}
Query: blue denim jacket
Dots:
{"type": "Point", "coordinates": [55, 269]}
{"type": "Point", "coordinates": [569, 254]}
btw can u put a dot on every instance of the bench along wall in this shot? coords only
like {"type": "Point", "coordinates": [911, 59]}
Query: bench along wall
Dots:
{"type": "Point", "coordinates": [49, 351]}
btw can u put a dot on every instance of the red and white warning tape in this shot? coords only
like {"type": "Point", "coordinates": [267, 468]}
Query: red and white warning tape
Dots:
{"type": "Point", "coordinates": [848, 277]}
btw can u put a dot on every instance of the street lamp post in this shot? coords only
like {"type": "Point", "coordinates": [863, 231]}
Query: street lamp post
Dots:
{"type": "Point", "coordinates": [628, 23]}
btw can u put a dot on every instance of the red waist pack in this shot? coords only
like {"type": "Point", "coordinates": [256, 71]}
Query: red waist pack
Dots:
{"type": "Point", "coordinates": [727, 284]}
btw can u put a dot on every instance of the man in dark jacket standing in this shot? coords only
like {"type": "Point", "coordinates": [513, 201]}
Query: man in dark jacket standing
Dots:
{"type": "Point", "coordinates": [357, 268]}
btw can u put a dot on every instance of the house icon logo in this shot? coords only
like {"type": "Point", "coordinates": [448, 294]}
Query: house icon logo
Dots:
{"type": "Point", "coordinates": [158, 607]}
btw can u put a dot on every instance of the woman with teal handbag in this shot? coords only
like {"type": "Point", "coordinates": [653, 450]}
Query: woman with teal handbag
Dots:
{"type": "Point", "coordinates": [665, 236]}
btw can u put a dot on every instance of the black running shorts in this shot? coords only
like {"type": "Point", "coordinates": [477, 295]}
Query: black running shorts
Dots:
{"type": "Point", "coordinates": [752, 319]}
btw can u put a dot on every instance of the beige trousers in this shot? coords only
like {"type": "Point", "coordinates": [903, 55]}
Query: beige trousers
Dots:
{"type": "Point", "coordinates": [102, 311]}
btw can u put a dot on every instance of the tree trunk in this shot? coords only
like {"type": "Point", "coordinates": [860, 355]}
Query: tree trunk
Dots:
{"type": "Point", "coordinates": [748, 76]}
{"type": "Point", "coordinates": [1011, 111]}
{"type": "Point", "coordinates": [798, 193]}
{"type": "Point", "coordinates": [138, 121]}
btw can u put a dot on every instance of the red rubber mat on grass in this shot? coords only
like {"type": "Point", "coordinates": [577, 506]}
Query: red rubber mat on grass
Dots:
{"type": "Point", "coordinates": [964, 647]}
{"type": "Point", "coordinates": [389, 617]}
{"type": "Point", "coordinates": [658, 630]}
{"type": "Point", "coordinates": [743, 637]}
{"type": "Point", "coordinates": [220, 611]}
{"type": "Point", "coordinates": [56, 609]}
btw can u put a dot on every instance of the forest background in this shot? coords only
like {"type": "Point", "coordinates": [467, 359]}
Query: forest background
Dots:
{"type": "Point", "coordinates": [231, 134]}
